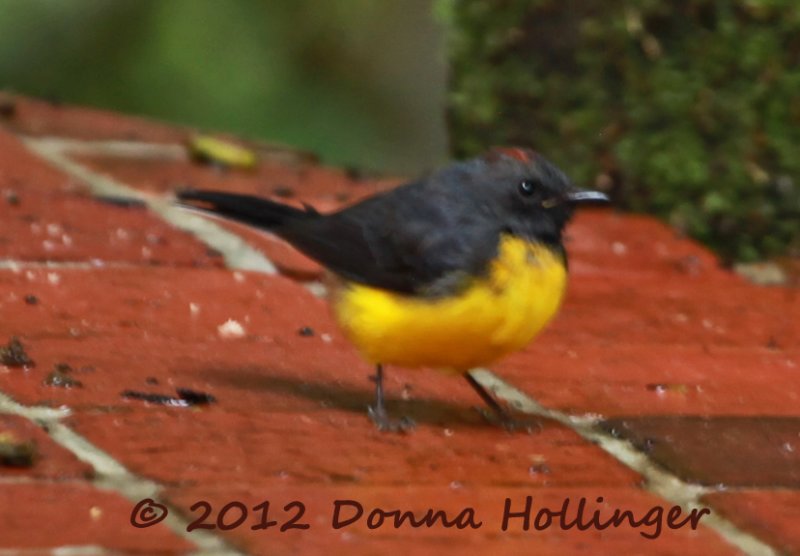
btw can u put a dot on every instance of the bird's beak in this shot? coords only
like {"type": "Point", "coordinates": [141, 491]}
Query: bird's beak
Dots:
{"type": "Point", "coordinates": [579, 197]}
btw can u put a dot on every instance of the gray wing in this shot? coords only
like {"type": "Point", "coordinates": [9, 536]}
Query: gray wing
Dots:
{"type": "Point", "coordinates": [414, 239]}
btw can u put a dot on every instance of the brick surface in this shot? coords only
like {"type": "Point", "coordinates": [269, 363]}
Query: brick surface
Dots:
{"type": "Point", "coordinates": [678, 312]}
{"type": "Point", "coordinates": [48, 216]}
{"type": "Point", "coordinates": [113, 323]}
{"type": "Point", "coordinates": [657, 380]}
{"type": "Point", "coordinates": [695, 366]}
{"type": "Point", "coordinates": [282, 446]}
{"type": "Point", "coordinates": [63, 515]}
{"type": "Point", "coordinates": [631, 246]}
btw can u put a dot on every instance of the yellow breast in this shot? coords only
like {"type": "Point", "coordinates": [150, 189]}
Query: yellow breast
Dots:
{"type": "Point", "coordinates": [491, 317]}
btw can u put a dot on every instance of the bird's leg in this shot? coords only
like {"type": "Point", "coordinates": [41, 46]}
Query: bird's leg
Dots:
{"type": "Point", "coordinates": [498, 416]}
{"type": "Point", "coordinates": [377, 412]}
{"type": "Point", "coordinates": [496, 408]}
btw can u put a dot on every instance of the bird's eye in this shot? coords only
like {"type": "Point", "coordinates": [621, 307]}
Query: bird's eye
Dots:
{"type": "Point", "coordinates": [527, 188]}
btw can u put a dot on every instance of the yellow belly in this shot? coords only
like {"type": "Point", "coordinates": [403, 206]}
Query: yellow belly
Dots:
{"type": "Point", "coordinates": [493, 316]}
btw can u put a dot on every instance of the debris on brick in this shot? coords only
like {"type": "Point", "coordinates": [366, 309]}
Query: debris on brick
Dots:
{"type": "Point", "coordinates": [122, 202]}
{"type": "Point", "coordinates": [31, 299]}
{"type": "Point", "coordinates": [193, 397]}
{"type": "Point", "coordinates": [662, 389]}
{"type": "Point", "coordinates": [12, 198]}
{"type": "Point", "coordinates": [210, 150]}
{"type": "Point", "coordinates": [230, 329]}
{"type": "Point", "coordinates": [185, 398]}
{"type": "Point", "coordinates": [13, 355]}
{"type": "Point", "coordinates": [283, 192]}
{"type": "Point", "coordinates": [306, 331]}
{"type": "Point", "coordinates": [160, 399]}
{"type": "Point", "coordinates": [540, 468]}
{"type": "Point", "coordinates": [15, 452]}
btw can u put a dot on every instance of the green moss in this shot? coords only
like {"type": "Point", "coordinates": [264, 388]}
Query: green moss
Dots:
{"type": "Point", "coordinates": [686, 109]}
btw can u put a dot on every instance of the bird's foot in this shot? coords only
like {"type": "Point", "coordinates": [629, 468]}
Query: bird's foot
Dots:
{"type": "Point", "coordinates": [384, 423]}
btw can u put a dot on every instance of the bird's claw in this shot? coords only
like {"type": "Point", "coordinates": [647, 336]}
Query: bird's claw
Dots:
{"type": "Point", "coordinates": [386, 424]}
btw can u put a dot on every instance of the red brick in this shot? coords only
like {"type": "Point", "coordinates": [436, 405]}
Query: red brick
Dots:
{"type": "Point", "coordinates": [109, 322]}
{"type": "Point", "coordinates": [38, 118]}
{"type": "Point", "coordinates": [600, 241]}
{"type": "Point", "coordinates": [53, 515]}
{"type": "Point", "coordinates": [657, 380]}
{"type": "Point", "coordinates": [705, 313]}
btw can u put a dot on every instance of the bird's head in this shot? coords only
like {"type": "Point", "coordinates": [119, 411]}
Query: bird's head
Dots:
{"type": "Point", "coordinates": [526, 192]}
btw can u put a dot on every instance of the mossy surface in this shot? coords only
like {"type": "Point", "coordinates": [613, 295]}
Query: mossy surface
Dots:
{"type": "Point", "coordinates": [687, 109]}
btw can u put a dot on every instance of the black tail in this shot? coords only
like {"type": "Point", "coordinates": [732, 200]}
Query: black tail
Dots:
{"type": "Point", "coordinates": [255, 211]}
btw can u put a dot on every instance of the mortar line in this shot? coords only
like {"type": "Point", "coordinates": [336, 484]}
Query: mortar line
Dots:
{"type": "Point", "coordinates": [116, 148]}
{"type": "Point", "coordinates": [658, 481]}
{"type": "Point", "coordinates": [236, 252]}
{"type": "Point", "coordinates": [111, 475]}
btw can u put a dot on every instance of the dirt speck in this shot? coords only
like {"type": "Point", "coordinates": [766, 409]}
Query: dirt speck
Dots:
{"type": "Point", "coordinates": [193, 397]}
{"type": "Point", "coordinates": [539, 469]}
{"type": "Point", "coordinates": [185, 398]}
{"type": "Point", "coordinates": [12, 198]}
{"type": "Point", "coordinates": [122, 202]}
{"type": "Point", "coordinates": [13, 354]}
{"type": "Point", "coordinates": [61, 377]}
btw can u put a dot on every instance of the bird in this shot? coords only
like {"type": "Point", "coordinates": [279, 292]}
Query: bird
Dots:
{"type": "Point", "coordinates": [451, 271]}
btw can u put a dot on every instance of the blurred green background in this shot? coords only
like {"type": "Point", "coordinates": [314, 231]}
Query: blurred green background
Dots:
{"type": "Point", "coordinates": [687, 109]}
{"type": "Point", "coordinates": [360, 82]}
